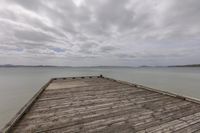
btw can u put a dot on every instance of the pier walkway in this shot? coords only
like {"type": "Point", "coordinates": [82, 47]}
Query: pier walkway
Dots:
{"type": "Point", "coordinates": [103, 105]}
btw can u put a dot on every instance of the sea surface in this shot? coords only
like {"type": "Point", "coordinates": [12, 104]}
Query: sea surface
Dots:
{"type": "Point", "coordinates": [18, 85]}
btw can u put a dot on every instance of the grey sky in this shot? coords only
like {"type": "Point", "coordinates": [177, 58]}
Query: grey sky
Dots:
{"type": "Point", "coordinates": [99, 32]}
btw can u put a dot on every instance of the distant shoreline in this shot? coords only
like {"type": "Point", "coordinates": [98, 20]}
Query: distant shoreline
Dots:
{"type": "Point", "coordinates": [10, 65]}
{"type": "Point", "coordinates": [193, 65]}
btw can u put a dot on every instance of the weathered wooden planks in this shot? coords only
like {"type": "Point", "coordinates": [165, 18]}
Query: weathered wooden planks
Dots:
{"type": "Point", "coordinates": [97, 104]}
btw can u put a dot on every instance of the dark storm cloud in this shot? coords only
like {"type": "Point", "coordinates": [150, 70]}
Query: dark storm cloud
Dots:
{"type": "Point", "coordinates": [83, 32]}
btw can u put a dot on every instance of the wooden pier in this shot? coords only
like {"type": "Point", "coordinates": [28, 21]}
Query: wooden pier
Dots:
{"type": "Point", "coordinates": [104, 105]}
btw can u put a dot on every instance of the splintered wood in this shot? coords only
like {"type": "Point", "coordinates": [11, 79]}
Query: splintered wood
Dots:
{"type": "Point", "coordinates": [100, 105]}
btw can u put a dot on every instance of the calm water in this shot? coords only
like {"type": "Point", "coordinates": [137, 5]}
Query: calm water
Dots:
{"type": "Point", "coordinates": [18, 85]}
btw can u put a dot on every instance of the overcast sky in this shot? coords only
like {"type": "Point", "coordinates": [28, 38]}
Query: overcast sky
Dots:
{"type": "Point", "coordinates": [99, 32]}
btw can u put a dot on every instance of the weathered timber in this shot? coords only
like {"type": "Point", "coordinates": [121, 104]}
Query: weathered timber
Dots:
{"type": "Point", "coordinates": [97, 104]}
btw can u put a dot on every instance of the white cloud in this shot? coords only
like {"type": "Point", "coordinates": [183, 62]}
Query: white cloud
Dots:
{"type": "Point", "coordinates": [100, 32]}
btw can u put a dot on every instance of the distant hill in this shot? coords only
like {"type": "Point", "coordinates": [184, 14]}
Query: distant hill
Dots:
{"type": "Point", "coordinates": [10, 65]}
{"type": "Point", "coordinates": [191, 65]}
{"type": "Point", "coordinates": [144, 66]}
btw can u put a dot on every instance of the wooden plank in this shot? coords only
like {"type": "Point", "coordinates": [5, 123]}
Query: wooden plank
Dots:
{"type": "Point", "coordinates": [164, 117]}
{"type": "Point", "coordinates": [98, 104]}
{"type": "Point", "coordinates": [82, 113]}
{"type": "Point", "coordinates": [198, 131]}
{"type": "Point", "coordinates": [24, 109]}
{"type": "Point", "coordinates": [156, 90]}
{"type": "Point", "coordinates": [105, 122]}
{"type": "Point", "coordinates": [8, 127]}
{"type": "Point", "coordinates": [189, 123]}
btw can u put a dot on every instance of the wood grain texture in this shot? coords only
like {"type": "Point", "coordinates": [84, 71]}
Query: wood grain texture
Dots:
{"type": "Point", "coordinates": [94, 104]}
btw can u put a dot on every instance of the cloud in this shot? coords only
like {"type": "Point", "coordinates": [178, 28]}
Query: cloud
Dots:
{"type": "Point", "coordinates": [106, 49]}
{"type": "Point", "coordinates": [100, 32]}
{"type": "Point", "coordinates": [126, 56]}
{"type": "Point", "coordinates": [88, 47]}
